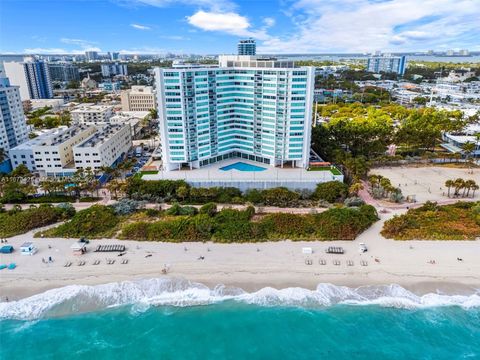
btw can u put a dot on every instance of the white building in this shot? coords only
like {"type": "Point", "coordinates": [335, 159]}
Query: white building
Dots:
{"type": "Point", "coordinates": [138, 98]}
{"type": "Point", "coordinates": [109, 70]}
{"type": "Point", "coordinates": [23, 153]}
{"type": "Point", "coordinates": [33, 78]}
{"type": "Point", "coordinates": [136, 120]}
{"type": "Point", "coordinates": [105, 148]}
{"type": "Point", "coordinates": [55, 104]}
{"type": "Point", "coordinates": [60, 152]}
{"type": "Point", "coordinates": [250, 107]}
{"type": "Point", "coordinates": [92, 114]}
{"type": "Point", "coordinates": [54, 155]}
{"type": "Point", "coordinates": [387, 64]}
{"type": "Point", "coordinates": [13, 127]}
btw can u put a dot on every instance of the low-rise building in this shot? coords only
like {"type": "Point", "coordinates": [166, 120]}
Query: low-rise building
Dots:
{"type": "Point", "coordinates": [105, 148]}
{"type": "Point", "coordinates": [109, 86]}
{"type": "Point", "coordinates": [54, 155]}
{"type": "Point", "coordinates": [61, 152]}
{"type": "Point", "coordinates": [138, 98]}
{"type": "Point", "coordinates": [55, 104]}
{"type": "Point", "coordinates": [136, 120]}
{"type": "Point", "coordinates": [92, 114]}
{"type": "Point", "coordinates": [23, 153]}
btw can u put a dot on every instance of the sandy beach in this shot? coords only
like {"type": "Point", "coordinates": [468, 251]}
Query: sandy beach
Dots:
{"type": "Point", "coordinates": [250, 266]}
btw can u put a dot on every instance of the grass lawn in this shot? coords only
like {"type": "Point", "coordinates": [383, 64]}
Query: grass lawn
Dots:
{"type": "Point", "coordinates": [333, 170]}
{"type": "Point", "coordinates": [139, 174]}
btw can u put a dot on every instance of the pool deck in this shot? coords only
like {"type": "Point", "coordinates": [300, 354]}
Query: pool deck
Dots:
{"type": "Point", "coordinates": [293, 178]}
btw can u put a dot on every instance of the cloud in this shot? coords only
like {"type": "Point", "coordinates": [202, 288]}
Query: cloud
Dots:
{"type": "Point", "coordinates": [140, 27]}
{"type": "Point", "coordinates": [174, 37]}
{"type": "Point", "coordinates": [58, 51]}
{"type": "Point", "coordinates": [45, 51]}
{"type": "Point", "coordinates": [227, 22]}
{"type": "Point", "coordinates": [214, 5]}
{"type": "Point", "coordinates": [366, 25]}
{"type": "Point", "coordinates": [84, 44]}
{"type": "Point", "coordinates": [268, 21]}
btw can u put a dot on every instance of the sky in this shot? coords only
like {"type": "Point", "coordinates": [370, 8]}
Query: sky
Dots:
{"type": "Point", "coordinates": [215, 26]}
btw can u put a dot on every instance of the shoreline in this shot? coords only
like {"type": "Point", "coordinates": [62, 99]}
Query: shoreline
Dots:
{"type": "Point", "coordinates": [250, 266]}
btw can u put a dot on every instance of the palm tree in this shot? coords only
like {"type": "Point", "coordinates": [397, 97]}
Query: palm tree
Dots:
{"type": "Point", "coordinates": [474, 188]}
{"type": "Point", "coordinates": [458, 184]}
{"type": "Point", "coordinates": [449, 184]}
{"type": "Point", "coordinates": [468, 148]}
{"type": "Point", "coordinates": [469, 184]}
{"type": "Point", "coordinates": [477, 138]}
{"type": "Point", "coordinates": [355, 188]}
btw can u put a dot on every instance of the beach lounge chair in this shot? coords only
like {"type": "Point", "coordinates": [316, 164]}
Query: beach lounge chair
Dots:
{"type": "Point", "coordinates": [336, 262]}
{"type": "Point", "coordinates": [364, 263]}
{"type": "Point", "coordinates": [96, 262]}
{"type": "Point", "coordinates": [334, 250]}
{"type": "Point", "coordinates": [322, 262]}
{"type": "Point", "coordinates": [12, 266]}
{"type": "Point", "coordinates": [349, 263]}
{"type": "Point", "coordinates": [308, 262]}
{"type": "Point", "coordinates": [125, 261]}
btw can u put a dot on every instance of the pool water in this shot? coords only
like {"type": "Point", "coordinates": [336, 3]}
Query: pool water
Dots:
{"type": "Point", "coordinates": [241, 166]}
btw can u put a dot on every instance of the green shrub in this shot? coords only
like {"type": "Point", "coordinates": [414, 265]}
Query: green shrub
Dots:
{"type": "Point", "coordinates": [230, 225]}
{"type": "Point", "coordinates": [15, 222]}
{"type": "Point", "coordinates": [176, 209]}
{"type": "Point", "coordinates": [280, 197]}
{"type": "Point", "coordinates": [459, 221]}
{"type": "Point", "coordinates": [209, 208]}
{"type": "Point", "coordinates": [354, 201]}
{"type": "Point", "coordinates": [96, 221]}
{"type": "Point", "coordinates": [331, 191]}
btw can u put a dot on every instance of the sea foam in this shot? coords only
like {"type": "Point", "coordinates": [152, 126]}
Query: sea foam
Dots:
{"type": "Point", "coordinates": [142, 294]}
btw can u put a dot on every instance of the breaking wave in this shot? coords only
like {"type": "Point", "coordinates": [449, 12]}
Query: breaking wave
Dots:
{"type": "Point", "coordinates": [142, 294]}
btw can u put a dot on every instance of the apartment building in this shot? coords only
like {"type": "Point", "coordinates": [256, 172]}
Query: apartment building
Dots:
{"type": "Point", "coordinates": [54, 156]}
{"type": "Point", "coordinates": [33, 78]}
{"type": "Point", "coordinates": [250, 107]}
{"type": "Point", "coordinates": [247, 47]}
{"type": "Point", "coordinates": [109, 70]}
{"type": "Point", "coordinates": [138, 98]}
{"type": "Point", "coordinates": [60, 152]}
{"type": "Point", "coordinates": [63, 72]}
{"type": "Point", "coordinates": [13, 127]}
{"type": "Point", "coordinates": [388, 64]}
{"type": "Point", "coordinates": [136, 120]}
{"type": "Point", "coordinates": [105, 148]}
{"type": "Point", "coordinates": [23, 153]}
{"type": "Point", "coordinates": [92, 114]}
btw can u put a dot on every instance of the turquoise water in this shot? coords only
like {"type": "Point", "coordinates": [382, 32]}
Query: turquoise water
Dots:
{"type": "Point", "coordinates": [181, 320]}
{"type": "Point", "coordinates": [241, 166]}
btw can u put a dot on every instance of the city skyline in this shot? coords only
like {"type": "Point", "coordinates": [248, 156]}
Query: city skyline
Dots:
{"type": "Point", "coordinates": [214, 27]}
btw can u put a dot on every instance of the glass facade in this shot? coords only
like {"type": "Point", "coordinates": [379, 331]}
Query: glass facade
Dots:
{"type": "Point", "coordinates": [260, 114]}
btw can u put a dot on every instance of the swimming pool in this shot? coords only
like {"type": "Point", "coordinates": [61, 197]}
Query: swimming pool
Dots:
{"type": "Point", "coordinates": [241, 166]}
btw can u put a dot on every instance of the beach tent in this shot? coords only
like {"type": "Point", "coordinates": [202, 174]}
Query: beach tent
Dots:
{"type": "Point", "coordinates": [79, 248]}
{"type": "Point", "coordinates": [7, 249]}
{"type": "Point", "coordinates": [28, 248]}
{"type": "Point", "coordinates": [307, 250]}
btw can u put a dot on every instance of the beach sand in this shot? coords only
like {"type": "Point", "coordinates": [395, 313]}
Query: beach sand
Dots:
{"type": "Point", "coordinates": [250, 266]}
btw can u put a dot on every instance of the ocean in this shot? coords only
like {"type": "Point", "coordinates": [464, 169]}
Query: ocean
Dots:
{"type": "Point", "coordinates": [176, 319]}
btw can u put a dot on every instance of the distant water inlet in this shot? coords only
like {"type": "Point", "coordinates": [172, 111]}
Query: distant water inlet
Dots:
{"type": "Point", "coordinates": [241, 166]}
{"type": "Point", "coordinates": [176, 319]}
